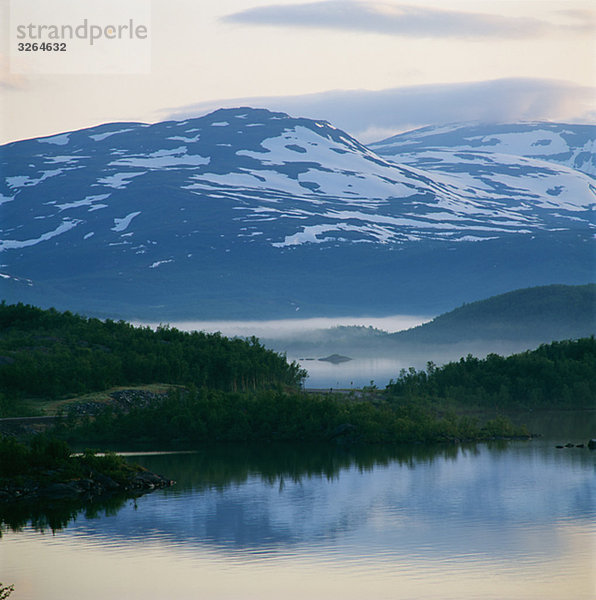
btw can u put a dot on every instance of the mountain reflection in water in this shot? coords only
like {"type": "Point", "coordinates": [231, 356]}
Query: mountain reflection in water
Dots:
{"type": "Point", "coordinates": [501, 521]}
{"type": "Point", "coordinates": [239, 497]}
{"type": "Point", "coordinates": [262, 498]}
{"type": "Point", "coordinates": [217, 468]}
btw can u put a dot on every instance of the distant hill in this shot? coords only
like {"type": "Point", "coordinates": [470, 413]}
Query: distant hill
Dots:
{"type": "Point", "coordinates": [507, 323]}
{"type": "Point", "coordinates": [541, 314]}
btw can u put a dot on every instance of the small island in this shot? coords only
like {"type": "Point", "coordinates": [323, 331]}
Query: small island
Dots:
{"type": "Point", "coordinates": [336, 359]}
{"type": "Point", "coordinates": [46, 470]}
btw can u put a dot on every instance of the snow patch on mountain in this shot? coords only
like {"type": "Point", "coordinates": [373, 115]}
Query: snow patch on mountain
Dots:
{"type": "Point", "coordinates": [119, 181]}
{"type": "Point", "coordinates": [87, 201]}
{"type": "Point", "coordinates": [65, 226]}
{"type": "Point", "coordinates": [160, 262]}
{"type": "Point", "coordinates": [182, 138]}
{"type": "Point", "coordinates": [98, 137]}
{"type": "Point", "coordinates": [531, 143]}
{"type": "Point", "coordinates": [58, 140]}
{"type": "Point", "coordinates": [19, 181]}
{"type": "Point", "coordinates": [162, 161]}
{"type": "Point", "coordinates": [489, 176]}
{"type": "Point", "coordinates": [249, 176]}
{"type": "Point", "coordinates": [122, 224]}
{"type": "Point", "coordinates": [570, 145]}
{"type": "Point", "coordinates": [67, 159]}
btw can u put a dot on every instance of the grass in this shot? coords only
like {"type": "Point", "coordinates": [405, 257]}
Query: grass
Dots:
{"type": "Point", "coordinates": [50, 408]}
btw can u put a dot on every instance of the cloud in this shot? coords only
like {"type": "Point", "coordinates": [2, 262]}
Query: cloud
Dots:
{"type": "Point", "coordinates": [372, 115]}
{"type": "Point", "coordinates": [395, 19]}
{"type": "Point", "coordinates": [585, 17]}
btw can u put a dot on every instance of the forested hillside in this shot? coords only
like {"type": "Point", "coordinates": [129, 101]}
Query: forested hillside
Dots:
{"type": "Point", "coordinates": [512, 322]}
{"type": "Point", "coordinates": [237, 390]}
{"type": "Point", "coordinates": [47, 353]}
{"type": "Point", "coordinates": [561, 374]}
{"type": "Point", "coordinates": [543, 313]}
{"type": "Point", "coordinates": [210, 416]}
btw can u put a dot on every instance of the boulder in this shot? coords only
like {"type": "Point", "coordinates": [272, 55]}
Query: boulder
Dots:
{"type": "Point", "coordinates": [107, 483]}
{"type": "Point", "coordinates": [335, 359]}
{"type": "Point", "coordinates": [60, 490]}
{"type": "Point", "coordinates": [148, 481]}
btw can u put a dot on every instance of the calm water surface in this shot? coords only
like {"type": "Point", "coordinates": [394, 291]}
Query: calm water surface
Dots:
{"type": "Point", "coordinates": [504, 521]}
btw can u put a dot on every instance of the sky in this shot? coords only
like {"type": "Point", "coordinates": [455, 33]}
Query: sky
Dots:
{"type": "Point", "coordinates": [371, 68]}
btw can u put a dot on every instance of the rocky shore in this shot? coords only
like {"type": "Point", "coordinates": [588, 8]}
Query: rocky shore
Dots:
{"type": "Point", "coordinates": [82, 478]}
{"type": "Point", "coordinates": [49, 487]}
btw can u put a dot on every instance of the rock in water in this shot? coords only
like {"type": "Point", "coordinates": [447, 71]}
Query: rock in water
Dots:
{"type": "Point", "coordinates": [336, 359]}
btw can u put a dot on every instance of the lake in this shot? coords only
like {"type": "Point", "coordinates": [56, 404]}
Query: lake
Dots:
{"type": "Point", "coordinates": [511, 520]}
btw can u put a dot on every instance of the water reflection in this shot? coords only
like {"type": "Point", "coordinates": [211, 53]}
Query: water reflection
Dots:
{"type": "Point", "coordinates": [397, 502]}
{"type": "Point", "coordinates": [285, 521]}
{"type": "Point", "coordinates": [356, 373]}
{"type": "Point", "coordinates": [218, 468]}
{"type": "Point", "coordinates": [56, 515]}
{"type": "Point", "coordinates": [280, 496]}
{"type": "Point", "coordinates": [382, 362]}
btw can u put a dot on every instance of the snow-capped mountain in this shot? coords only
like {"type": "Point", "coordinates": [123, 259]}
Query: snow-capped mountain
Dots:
{"type": "Point", "coordinates": [566, 144]}
{"type": "Point", "coordinates": [246, 211]}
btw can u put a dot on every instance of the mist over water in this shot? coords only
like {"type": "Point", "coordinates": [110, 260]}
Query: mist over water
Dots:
{"type": "Point", "coordinates": [374, 358]}
{"type": "Point", "coordinates": [283, 335]}
{"type": "Point", "coordinates": [356, 373]}
{"type": "Point", "coordinates": [379, 367]}
{"type": "Point", "coordinates": [284, 328]}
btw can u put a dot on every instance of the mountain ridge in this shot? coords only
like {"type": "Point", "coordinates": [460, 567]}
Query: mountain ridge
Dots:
{"type": "Point", "coordinates": [505, 323]}
{"type": "Point", "coordinates": [547, 313]}
{"type": "Point", "coordinates": [570, 144]}
{"type": "Point", "coordinates": [251, 213]}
